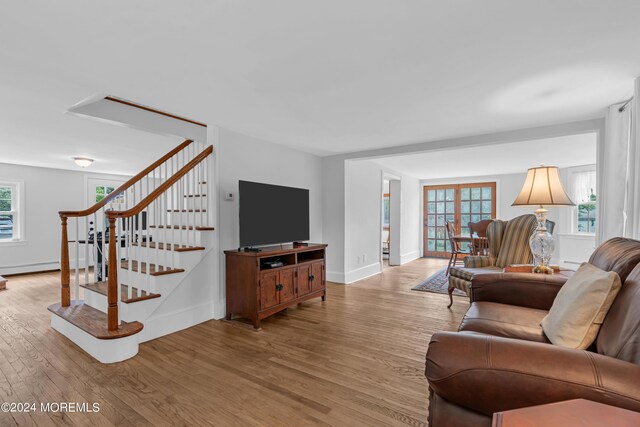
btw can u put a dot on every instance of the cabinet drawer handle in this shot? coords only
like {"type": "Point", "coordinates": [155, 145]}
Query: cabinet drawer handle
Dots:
{"type": "Point", "coordinates": [279, 287]}
{"type": "Point", "coordinates": [312, 277]}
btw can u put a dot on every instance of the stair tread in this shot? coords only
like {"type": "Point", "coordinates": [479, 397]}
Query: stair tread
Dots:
{"type": "Point", "coordinates": [183, 227]}
{"type": "Point", "coordinates": [169, 246]}
{"type": "Point", "coordinates": [136, 295]}
{"type": "Point", "coordinates": [186, 210]}
{"type": "Point", "coordinates": [93, 321]}
{"type": "Point", "coordinates": [155, 270]}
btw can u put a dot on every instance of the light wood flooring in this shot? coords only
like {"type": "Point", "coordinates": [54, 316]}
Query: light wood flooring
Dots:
{"type": "Point", "coordinates": [355, 360]}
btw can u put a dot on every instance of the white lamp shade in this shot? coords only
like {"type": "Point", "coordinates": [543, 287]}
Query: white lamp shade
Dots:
{"type": "Point", "coordinates": [543, 187]}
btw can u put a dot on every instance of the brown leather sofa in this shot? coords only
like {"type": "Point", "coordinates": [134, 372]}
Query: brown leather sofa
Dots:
{"type": "Point", "coordinates": [501, 359]}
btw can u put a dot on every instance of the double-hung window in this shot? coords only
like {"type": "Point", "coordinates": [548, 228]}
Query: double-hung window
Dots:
{"type": "Point", "coordinates": [10, 212]}
{"type": "Point", "coordinates": [584, 196]}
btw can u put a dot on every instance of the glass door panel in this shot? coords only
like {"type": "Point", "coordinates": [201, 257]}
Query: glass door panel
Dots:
{"type": "Point", "coordinates": [458, 203]}
{"type": "Point", "coordinates": [440, 207]}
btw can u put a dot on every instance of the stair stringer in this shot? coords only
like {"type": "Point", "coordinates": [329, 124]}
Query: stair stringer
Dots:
{"type": "Point", "coordinates": [192, 301]}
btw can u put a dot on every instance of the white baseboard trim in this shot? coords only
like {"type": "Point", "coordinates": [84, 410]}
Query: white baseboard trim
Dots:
{"type": "Point", "coordinates": [29, 268]}
{"type": "Point", "coordinates": [408, 257]}
{"type": "Point", "coordinates": [362, 272]}
{"type": "Point", "coordinates": [335, 277]}
{"type": "Point", "coordinates": [220, 309]}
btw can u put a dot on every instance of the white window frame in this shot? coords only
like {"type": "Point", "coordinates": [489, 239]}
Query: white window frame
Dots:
{"type": "Point", "coordinates": [17, 210]}
{"type": "Point", "coordinates": [574, 211]}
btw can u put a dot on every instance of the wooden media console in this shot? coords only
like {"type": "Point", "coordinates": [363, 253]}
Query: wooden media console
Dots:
{"type": "Point", "coordinates": [256, 290]}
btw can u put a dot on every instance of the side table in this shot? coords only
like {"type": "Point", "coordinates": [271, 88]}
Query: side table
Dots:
{"type": "Point", "coordinates": [578, 412]}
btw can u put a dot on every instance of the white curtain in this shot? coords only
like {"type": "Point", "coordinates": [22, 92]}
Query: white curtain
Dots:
{"type": "Point", "coordinates": [619, 172]}
{"type": "Point", "coordinates": [584, 184]}
{"type": "Point", "coordinates": [632, 200]}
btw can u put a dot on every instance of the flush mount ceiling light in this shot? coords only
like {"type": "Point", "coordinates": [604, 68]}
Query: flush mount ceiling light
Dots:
{"type": "Point", "coordinates": [83, 161]}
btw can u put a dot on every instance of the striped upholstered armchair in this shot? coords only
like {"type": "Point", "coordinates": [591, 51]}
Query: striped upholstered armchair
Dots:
{"type": "Point", "coordinates": [508, 244]}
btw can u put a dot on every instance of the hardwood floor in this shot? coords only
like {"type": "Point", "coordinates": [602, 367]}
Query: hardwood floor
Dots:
{"type": "Point", "coordinates": [356, 359]}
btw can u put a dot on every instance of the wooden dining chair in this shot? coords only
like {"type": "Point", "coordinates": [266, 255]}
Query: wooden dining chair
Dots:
{"type": "Point", "coordinates": [455, 246]}
{"type": "Point", "coordinates": [478, 231]}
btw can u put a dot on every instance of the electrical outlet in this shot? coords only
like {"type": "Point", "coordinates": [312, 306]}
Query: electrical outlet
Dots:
{"type": "Point", "coordinates": [364, 258]}
{"type": "Point", "coordinates": [358, 259]}
{"type": "Point", "coordinates": [229, 196]}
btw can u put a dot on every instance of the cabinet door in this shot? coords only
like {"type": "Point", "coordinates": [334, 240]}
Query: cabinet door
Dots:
{"type": "Point", "coordinates": [268, 289]}
{"type": "Point", "coordinates": [317, 271]}
{"type": "Point", "coordinates": [287, 282]}
{"type": "Point", "coordinates": [304, 284]}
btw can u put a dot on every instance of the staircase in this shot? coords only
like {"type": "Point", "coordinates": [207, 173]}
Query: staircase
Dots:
{"type": "Point", "coordinates": [142, 258]}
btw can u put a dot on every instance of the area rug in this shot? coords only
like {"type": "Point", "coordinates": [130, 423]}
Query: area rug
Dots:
{"type": "Point", "coordinates": [438, 283]}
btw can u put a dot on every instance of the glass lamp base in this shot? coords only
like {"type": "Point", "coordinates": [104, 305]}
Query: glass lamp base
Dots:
{"type": "Point", "coordinates": [542, 244]}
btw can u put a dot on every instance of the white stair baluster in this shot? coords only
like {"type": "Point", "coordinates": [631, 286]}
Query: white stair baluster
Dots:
{"type": "Point", "coordinates": [162, 213]}
{"type": "Point", "coordinates": [95, 247]}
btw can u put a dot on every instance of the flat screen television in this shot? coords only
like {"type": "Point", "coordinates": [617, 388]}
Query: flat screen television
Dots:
{"type": "Point", "coordinates": [272, 214]}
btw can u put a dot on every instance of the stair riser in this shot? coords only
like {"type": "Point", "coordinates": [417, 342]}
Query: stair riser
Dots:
{"type": "Point", "coordinates": [196, 202]}
{"type": "Point", "coordinates": [128, 312]}
{"type": "Point", "coordinates": [193, 237]}
{"type": "Point", "coordinates": [189, 218]}
{"type": "Point", "coordinates": [172, 259]}
{"type": "Point", "coordinates": [154, 284]}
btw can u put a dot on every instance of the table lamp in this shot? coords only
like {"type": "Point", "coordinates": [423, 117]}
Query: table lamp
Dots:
{"type": "Point", "coordinates": [542, 187]}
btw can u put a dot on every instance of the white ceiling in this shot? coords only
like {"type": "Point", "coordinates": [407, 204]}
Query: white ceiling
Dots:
{"type": "Point", "coordinates": [515, 157]}
{"type": "Point", "coordinates": [326, 77]}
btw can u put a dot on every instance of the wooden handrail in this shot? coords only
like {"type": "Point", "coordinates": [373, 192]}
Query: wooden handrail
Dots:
{"type": "Point", "coordinates": [162, 188]}
{"type": "Point", "coordinates": [152, 110]}
{"type": "Point", "coordinates": [126, 185]}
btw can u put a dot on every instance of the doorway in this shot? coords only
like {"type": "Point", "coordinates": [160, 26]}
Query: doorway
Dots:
{"type": "Point", "coordinates": [390, 232]}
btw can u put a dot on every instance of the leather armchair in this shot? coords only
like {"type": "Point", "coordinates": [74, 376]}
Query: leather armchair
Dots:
{"type": "Point", "coordinates": [487, 374]}
{"type": "Point", "coordinates": [501, 359]}
{"type": "Point", "coordinates": [508, 244]}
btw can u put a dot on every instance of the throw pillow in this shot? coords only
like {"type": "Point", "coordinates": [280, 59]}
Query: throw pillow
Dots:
{"type": "Point", "coordinates": [580, 307]}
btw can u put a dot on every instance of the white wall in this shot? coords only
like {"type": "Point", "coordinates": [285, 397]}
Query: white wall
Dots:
{"type": "Point", "coordinates": [46, 192]}
{"type": "Point", "coordinates": [363, 219]}
{"type": "Point", "coordinates": [240, 157]}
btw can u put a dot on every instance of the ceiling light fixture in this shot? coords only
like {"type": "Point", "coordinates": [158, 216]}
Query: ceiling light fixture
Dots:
{"type": "Point", "coordinates": [83, 162]}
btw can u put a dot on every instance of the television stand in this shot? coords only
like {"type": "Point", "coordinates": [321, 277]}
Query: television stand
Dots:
{"type": "Point", "coordinates": [255, 290]}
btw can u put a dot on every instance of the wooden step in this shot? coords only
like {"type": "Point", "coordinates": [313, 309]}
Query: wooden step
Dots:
{"type": "Point", "coordinates": [186, 210]}
{"type": "Point", "coordinates": [169, 246]}
{"type": "Point", "coordinates": [92, 321]}
{"type": "Point", "coordinates": [136, 295]}
{"type": "Point", "coordinates": [183, 227]}
{"type": "Point", "coordinates": [154, 270]}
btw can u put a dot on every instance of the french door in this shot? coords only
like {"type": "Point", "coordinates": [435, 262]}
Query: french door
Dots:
{"type": "Point", "coordinates": [459, 203]}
